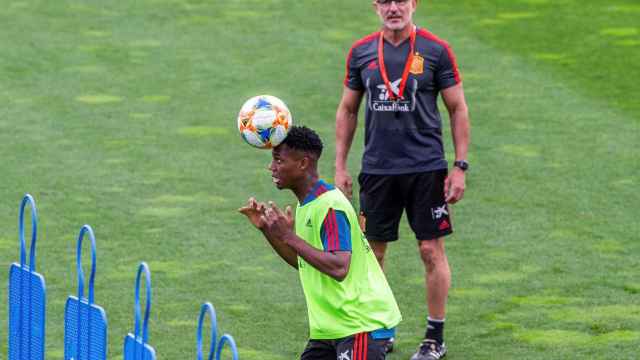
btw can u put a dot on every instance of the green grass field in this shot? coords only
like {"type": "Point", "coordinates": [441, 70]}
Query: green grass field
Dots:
{"type": "Point", "coordinates": [121, 114]}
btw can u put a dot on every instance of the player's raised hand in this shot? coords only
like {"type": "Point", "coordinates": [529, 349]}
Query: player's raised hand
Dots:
{"type": "Point", "coordinates": [289, 213]}
{"type": "Point", "coordinates": [254, 211]}
{"type": "Point", "coordinates": [344, 182]}
{"type": "Point", "coordinates": [277, 224]}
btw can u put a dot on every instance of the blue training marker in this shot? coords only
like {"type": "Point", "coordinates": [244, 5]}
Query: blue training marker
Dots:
{"type": "Point", "coordinates": [227, 339]}
{"type": "Point", "coordinates": [207, 308]}
{"type": "Point", "coordinates": [136, 347]}
{"type": "Point", "coordinates": [85, 323]}
{"type": "Point", "coordinates": [27, 297]}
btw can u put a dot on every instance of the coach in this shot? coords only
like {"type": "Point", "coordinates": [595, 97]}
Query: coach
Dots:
{"type": "Point", "coordinates": [403, 69]}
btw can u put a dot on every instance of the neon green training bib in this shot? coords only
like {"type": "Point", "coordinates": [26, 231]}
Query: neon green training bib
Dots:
{"type": "Point", "coordinates": [363, 301]}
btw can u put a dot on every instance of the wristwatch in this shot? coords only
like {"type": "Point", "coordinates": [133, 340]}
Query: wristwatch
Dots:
{"type": "Point", "coordinates": [461, 164]}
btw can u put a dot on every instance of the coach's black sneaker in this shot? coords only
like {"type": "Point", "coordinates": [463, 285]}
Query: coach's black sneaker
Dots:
{"type": "Point", "coordinates": [388, 346]}
{"type": "Point", "coordinates": [430, 350]}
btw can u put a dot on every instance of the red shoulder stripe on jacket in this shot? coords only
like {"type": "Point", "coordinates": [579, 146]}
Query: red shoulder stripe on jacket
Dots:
{"type": "Point", "coordinates": [430, 36]}
{"type": "Point", "coordinates": [364, 40]}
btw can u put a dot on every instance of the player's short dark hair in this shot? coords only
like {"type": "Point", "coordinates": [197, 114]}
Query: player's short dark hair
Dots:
{"type": "Point", "coordinates": [303, 139]}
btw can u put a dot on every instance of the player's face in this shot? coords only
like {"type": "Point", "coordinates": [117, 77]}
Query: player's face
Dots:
{"type": "Point", "coordinates": [395, 15]}
{"type": "Point", "coordinates": [285, 166]}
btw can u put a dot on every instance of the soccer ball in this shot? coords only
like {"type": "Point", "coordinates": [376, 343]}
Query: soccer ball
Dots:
{"type": "Point", "coordinates": [264, 121]}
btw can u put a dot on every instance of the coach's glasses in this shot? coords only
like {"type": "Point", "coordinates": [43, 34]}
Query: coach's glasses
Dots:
{"type": "Point", "coordinates": [388, 2]}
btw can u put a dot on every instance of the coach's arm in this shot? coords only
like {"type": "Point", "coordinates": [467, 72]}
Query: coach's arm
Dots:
{"type": "Point", "coordinates": [454, 100]}
{"type": "Point", "coordinates": [346, 123]}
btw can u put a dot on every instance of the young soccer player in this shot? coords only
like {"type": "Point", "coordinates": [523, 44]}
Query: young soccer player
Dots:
{"type": "Point", "coordinates": [352, 311]}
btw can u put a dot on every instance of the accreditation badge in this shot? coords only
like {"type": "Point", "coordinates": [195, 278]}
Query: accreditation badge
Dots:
{"type": "Point", "coordinates": [417, 66]}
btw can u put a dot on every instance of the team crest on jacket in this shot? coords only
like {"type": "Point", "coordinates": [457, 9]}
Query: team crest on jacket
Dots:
{"type": "Point", "coordinates": [417, 66]}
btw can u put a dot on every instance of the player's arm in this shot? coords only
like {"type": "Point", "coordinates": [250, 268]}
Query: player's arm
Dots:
{"type": "Point", "coordinates": [333, 263]}
{"type": "Point", "coordinates": [254, 211]}
{"type": "Point", "coordinates": [456, 105]}
{"type": "Point", "coordinates": [287, 253]}
{"type": "Point", "coordinates": [346, 123]}
{"type": "Point", "coordinates": [335, 259]}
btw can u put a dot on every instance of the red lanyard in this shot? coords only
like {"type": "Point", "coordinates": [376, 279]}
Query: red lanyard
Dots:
{"type": "Point", "coordinates": [407, 65]}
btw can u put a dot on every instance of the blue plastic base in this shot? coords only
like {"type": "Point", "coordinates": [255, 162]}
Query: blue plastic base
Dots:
{"type": "Point", "coordinates": [137, 350]}
{"type": "Point", "coordinates": [27, 311]}
{"type": "Point", "coordinates": [93, 324]}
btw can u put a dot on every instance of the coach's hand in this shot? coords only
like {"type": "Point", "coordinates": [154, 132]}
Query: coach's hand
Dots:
{"type": "Point", "coordinates": [454, 186]}
{"type": "Point", "coordinates": [344, 183]}
{"type": "Point", "coordinates": [254, 211]}
{"type": "Point", "coordinates": [277, 224]}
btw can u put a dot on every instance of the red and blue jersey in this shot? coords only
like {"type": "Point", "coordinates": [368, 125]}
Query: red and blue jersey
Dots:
{"type": "Point", "coordinates": [336, 230]}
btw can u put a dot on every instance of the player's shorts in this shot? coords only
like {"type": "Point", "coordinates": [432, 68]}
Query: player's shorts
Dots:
{"type": "Point", "coordinates": [383, 198]}
{"type": "Point", "coordinates": [360, 346]}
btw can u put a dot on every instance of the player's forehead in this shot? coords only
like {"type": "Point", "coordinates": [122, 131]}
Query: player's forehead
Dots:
{"type": "Point", "coordinates": [281, 151]}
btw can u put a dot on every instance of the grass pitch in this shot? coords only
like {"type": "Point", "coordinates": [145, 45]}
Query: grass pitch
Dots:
{"type": "Point", "coordinates": [122, 115]}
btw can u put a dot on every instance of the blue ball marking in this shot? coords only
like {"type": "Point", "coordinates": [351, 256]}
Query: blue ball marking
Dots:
{"type": "Point", "coordinates": [265, 134]}
{"type": "Point", "coordinates": [263, 104]}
